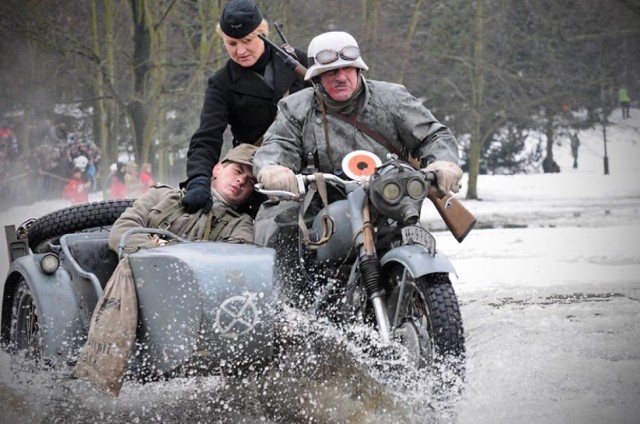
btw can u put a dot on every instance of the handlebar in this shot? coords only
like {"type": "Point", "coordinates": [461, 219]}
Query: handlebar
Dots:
{"type": "Point", "coordinates": [305, 180]}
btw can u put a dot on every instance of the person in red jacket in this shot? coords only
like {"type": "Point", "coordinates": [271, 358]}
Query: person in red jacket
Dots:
{"type": "Point", "coordinates": [76, 190]}
{"type": "Point", "coordinates": [118, 189]}
{"type": "Point", "coordinates": [146, 179]}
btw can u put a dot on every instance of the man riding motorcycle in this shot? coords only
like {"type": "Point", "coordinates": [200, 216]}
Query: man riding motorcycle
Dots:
{"type": "Point", "coordinates": [317, 127]}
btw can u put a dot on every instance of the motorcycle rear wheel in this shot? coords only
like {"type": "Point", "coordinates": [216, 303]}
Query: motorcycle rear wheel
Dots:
{"type": "Point", "coordinates": [428, 323]}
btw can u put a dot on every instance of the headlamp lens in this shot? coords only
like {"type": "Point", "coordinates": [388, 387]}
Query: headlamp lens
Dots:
{"type": "Point", "coordinates": [391, 192]}
{"type": "Point", "coordinates": [416, 188]}
{"type": "Point", "coordinates": [49, 263]}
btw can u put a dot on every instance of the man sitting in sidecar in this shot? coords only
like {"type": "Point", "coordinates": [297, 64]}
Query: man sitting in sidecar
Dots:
{"type": "Point", "coordinates": [112, 333]}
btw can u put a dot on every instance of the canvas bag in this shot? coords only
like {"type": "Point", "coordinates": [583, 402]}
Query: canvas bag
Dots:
{"type": "Point", "coordinates": [112, 333]}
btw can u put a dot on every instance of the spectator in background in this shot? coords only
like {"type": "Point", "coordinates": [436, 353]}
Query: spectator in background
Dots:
{"type": "Point", "coordinates": [132, 180]}
{"type": "Point", "coordinates": [9, 145]}
{"type": "Point", "coordinates": [146, 180]}
{"type": "Point", "coordinates": [81, 162]}
{"type": "Point", "coordinates": [625, 101]}
{"type": "Point", "coordinates": [575, 143]}
{"type": "Point", "coordinates": [117, 187]}
{"type": "Point", "coordinates": [76, 190]}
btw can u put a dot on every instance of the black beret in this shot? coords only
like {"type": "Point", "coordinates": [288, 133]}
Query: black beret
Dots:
{"type": "Point", "coordinates": [239, 18]}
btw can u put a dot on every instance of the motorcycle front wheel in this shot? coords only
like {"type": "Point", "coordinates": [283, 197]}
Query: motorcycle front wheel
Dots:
{"type": "Point", "coordinates": [425, 315]}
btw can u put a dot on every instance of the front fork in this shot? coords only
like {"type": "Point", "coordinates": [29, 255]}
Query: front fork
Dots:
{"type": "Point", "coordinates": [368, 262]}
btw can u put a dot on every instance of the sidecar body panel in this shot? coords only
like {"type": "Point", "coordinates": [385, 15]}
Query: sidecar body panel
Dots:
{"type": "Point", "coordinates": [210, 301]}
{"type": "Point", "coordinates": [418, 260]}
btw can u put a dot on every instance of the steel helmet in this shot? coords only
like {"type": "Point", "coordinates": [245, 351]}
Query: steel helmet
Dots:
{"type": "Point", "coordinates": [335, 45]}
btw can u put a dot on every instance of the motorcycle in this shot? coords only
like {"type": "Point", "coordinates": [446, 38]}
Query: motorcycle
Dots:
{"type": "Point", "coordinates": [366, 257]}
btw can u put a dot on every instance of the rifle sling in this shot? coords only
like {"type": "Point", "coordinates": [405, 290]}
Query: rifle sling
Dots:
{"type": "Point", "coordinates": [373, 134]}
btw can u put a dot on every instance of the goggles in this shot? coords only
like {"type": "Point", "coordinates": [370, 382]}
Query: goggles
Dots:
{"type": "Point", "coordinates": [327, 56]}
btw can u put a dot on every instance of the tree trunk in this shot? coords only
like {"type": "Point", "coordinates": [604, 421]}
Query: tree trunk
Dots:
{"type": "Point", "coordinates": [140, 63]}
{"type": "Point", "coordinates": [149, 76]}
{"type": "Point", "coordinates": [406, 45]}
{"type": "Point", "coordinates": [100, 130]}
{"type": "Point", "coordinates": [477, 101]}
{"type": "Point", "coordinates": [109, 145]}
{"type": "Point", "coordinates": [548, 164]}
{"type": "Point", "coordinates": [369, 28]}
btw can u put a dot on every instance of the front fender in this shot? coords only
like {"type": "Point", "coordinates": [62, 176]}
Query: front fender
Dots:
{"type": "Point", "coordinates": [418, 260]}
{"type": "Point", "coordinates": [56, 305]}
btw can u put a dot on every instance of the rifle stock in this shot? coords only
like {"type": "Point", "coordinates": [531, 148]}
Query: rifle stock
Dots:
{"type": "Point", "coordinates": [457, 218]}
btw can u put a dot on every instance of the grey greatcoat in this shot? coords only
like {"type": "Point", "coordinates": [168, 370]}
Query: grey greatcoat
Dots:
{"type": "Point", "coordinates": [386, 108]}
{"type": "Point", "coordinates": [158, 199]}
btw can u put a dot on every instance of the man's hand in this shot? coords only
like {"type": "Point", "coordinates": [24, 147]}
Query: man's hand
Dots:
{"type": "Point", "coordinates": [156, 240]}
{"type": "Point", "coordinates": [276, 177]}
{"type": "Point", "coordinates": [198, 195]}
{"type": "Point", "coordinates": [448, 176]}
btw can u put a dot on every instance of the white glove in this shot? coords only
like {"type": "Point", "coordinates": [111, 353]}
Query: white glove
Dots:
{"type": "Point", "coordinates": [276, 177]}
{"type": "Point", "coordinates": [448, 176]}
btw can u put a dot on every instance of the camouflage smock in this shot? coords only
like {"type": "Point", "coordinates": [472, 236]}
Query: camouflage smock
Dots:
{"type": "Point", "coordinates": [386, 108]}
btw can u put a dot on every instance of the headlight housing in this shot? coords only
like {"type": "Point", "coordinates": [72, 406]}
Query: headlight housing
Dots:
{"type": "Point", "coordinates": [397, 191]}
{"type": "Point", "coordinates": [49, 263]}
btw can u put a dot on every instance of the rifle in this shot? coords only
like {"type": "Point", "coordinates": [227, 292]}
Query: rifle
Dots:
{"type": "Point", "coordinates": [288, 59]}
{"type": "Point", "coordinates": [285, 46]}
{"type": "Point", "coordinates": [458, 218]}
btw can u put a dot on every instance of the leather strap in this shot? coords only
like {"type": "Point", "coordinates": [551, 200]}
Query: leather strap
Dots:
{"type": "Point", "coordinates": [373, 134]}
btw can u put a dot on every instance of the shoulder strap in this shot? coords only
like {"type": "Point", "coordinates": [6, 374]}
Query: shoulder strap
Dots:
{"type": "Point", "coordinates": [217, 221]}
{"type": "Point", "coordinates": [373, 134]}
{"type": "Point", "coordinates": [164, 219]}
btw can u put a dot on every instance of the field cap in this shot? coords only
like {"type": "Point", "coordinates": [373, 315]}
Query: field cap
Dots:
{"type": "Point", "coordinates": [242, 154]}
{"type": "Point", "coordinates": [239, 18]}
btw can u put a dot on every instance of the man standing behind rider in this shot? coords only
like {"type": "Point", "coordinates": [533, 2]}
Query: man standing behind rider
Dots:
{"type": "Point", "coordinates": [243, 94]}
{"type": "Point", "coordinates": [320, 123]}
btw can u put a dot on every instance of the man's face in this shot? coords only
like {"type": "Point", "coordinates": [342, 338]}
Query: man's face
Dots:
{"type": "Point", "coordinates": [244, 53]}
{"type": "Point", "coordinates": [340, 83]}
{"type": "Point", "coordinates": [233, 182]}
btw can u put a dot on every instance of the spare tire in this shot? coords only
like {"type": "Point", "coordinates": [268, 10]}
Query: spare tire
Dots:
{"type": "Point", "coordinates": [73, 219]}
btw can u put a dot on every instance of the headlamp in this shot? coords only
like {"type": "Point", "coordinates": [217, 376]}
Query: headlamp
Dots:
{"type": "Point", "coordinates": [391, 192]}
{"type": "Point", "coordinates": [416, 188]}
{"type": "Point", "coordinates": [397, 190]}
{"type": "Point", "coordinates": [49, 263]}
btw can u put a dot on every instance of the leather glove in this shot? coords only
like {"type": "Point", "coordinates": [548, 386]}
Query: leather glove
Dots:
{"type": "Point", "coordinates": [276, 177]}
{"type": "Point", "coordinates": [198, 195]}
{"type": "Point", "coordinates": [448, 176]}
